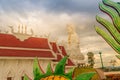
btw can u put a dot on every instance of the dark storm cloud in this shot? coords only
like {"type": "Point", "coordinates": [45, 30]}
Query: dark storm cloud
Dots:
{"type": "Point", "coordinates": [56, 6]}
{"type": "Point", "coordinates": [72, 6]}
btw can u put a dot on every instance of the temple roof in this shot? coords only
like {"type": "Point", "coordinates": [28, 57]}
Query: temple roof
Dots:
{"type": "Point", "coordinates": [57, 51]}
{"type": "Point", "coordinates": [55, 48]}
{"type": "Point", "coordinates": [9, 40]}
{"type": "Point", "coordinates": [59, 57]}
{"type": "Point", "coordinates": [69, 62]}
{"type": "Point", "coordinates": [63, 50]}
{"type": "Point", "coordinates": [10, 46]}
{"type": "Point", "coordinates": [25, 53]}
{"type": "Point", "coordinates": [60, 52]}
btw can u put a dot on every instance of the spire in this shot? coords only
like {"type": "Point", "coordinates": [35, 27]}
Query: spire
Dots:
{"type": "Point", "coordinates": [32, 33]}
{"type": "Point", "coordinates": [22, 30]}
{"type": "Point", "coordinates": [19, 29]}
{"type": "Point", "coordinates": [12, 30]}
{"type": "Point", "coordinates": [25, 29]}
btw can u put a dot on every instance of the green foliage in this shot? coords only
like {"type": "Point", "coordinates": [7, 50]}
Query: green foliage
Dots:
{"type": "Point", "coordinates": [49, 69]}
{"type": "Point", "coordinates": [36, 70]}
{"type": "Point", "coordinates": [80, 70]}
{"type": "Point", "coordinates": [59, 70]}
{"type": "Point", "coordinates": [113, 10]}
{"type": "Point", "coordinates": [118, 56]}
{"type": "Point", "coordinates": [85, 76]}
{"type": "Point", "coordinates": [26, 77]}
{"type": "Point", "coordinates": [70, 73]}
{"type": "Point", "coordinates": [60, 67]}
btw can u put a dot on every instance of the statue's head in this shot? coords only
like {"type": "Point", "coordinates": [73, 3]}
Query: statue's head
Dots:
{"type": "Point", "coordinates": [70, 28]}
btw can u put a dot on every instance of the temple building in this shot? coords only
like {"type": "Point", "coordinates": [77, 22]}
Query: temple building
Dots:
{"type": "Point", "coordinates": [60, 53]}
{"type": "Point", "coordinates": [18, 50]}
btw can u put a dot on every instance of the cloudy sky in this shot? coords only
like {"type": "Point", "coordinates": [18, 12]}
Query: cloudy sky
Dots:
{"type": "Point", "coordinates": [51, 16]}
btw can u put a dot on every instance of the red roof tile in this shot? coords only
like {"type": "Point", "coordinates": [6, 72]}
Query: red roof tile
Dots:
{"type": "Point", "coordinates": [10, 46]}
{"type": "Point", "coordinates": [59, 57]}
{"type": "Point", "coordinates": [56, 51]}
{"type": "Point", "coordinates": [11, 41]}
{"type": "Point", "coordinates": [25, 53]}
{"type": "Point", "coordinates": [54, 47]}
{"type": "Point", "coordinates": [63, 50]}
{"type": "Point", "coordinates": [69, 62]}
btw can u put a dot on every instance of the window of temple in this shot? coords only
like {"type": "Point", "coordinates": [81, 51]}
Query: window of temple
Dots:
{"type": "Point", "coordinates": [22, 78]}
{"type": "Point", "coordinates": [9, 78]}
{"type": "Point", "coordinates": [10, 75]}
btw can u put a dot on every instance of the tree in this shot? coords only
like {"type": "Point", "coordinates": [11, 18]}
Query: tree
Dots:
{"type": "Point", "coordinates": [113, 62]}
{"type": "Point", "coordinates": [90, 59]}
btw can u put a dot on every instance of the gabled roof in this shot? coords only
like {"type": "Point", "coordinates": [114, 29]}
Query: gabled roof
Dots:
{"type": "Point", "coordinates": [55, 48]}
{"type": "Point", "coordinates": [57, 51]}
{"type": "Point", "coordinates": [25, 53]}
{"type": "Point", "coordinates": [9, 40]}
{"type": "Point", "coordinates": [69, 62]}
{"type": "Point", "coordinates": [63, 50]}
{"type": "Point", "coordinates": [10, 46]}
{"type": "Point", "coordinates": [59, 57]}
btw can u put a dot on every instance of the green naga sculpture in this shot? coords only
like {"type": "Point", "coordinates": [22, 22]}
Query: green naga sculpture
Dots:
{"type": "Point", "coordinates": [58, 74]}
{"type": "Point", "coordinates": [113, 10]}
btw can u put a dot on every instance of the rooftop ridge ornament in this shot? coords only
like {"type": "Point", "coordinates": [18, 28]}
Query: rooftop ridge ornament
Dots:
{"type": "Point", "coordinates": [47, 35]}
{"type": "Point", "coordinates": [21, 34]}
{"type": "Point", "coordinates": [113, 10]}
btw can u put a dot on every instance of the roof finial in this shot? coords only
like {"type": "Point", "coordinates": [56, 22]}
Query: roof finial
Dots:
{"type": "Point", "coordinates": [32, 33]}
{"type": "Point", "coordinates": [22, 29]}
{"type": "Point", "coordinates": [12, 30]}
{"type": "Point", "coordinates": [56, 39]}
{"type": "Point", "coordinates": [25, 29]}
{"type": "Point", "coordinates": [18, 28]}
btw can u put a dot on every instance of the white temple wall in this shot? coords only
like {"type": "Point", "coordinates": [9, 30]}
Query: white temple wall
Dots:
{"type": "Point", "coordinates": [16, 68]}
{"type": "Point", "coordinates": [44, 64]}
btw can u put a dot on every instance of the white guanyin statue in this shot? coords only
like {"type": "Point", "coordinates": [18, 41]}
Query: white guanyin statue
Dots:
{"type": "Point", "coordinates": [73, 47]}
